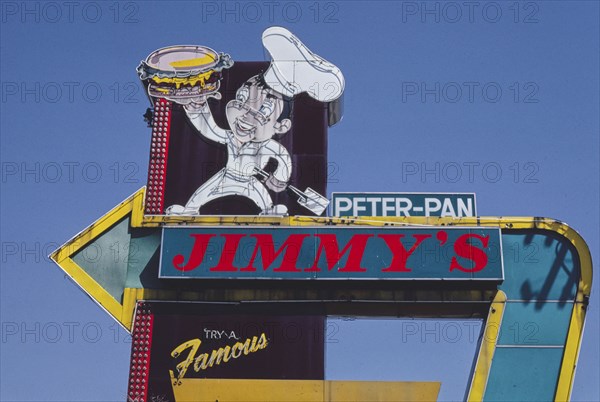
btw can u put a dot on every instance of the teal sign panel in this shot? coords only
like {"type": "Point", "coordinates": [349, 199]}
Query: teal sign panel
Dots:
{"type": "Point", "coordinates": [454, 205]}
{"type": "Point", "coordinates": [457, 253]}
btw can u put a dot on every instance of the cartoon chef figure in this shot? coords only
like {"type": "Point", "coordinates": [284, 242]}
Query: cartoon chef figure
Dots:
{"type": "Point", "coordinates": [259, 113]}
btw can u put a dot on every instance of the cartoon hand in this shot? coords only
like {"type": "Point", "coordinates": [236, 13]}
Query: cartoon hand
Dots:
{"type": "Point", "coordinates": [275, 185]}
{"type": "Point", "coordinates": [196, 104]}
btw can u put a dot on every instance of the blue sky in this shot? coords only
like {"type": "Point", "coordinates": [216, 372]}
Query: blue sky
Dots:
{"type": "Point", "coordinates": [497, 98]}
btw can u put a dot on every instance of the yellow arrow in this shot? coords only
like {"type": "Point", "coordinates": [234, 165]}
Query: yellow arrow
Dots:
{"type": "Point", "coordinates": [100, 286]}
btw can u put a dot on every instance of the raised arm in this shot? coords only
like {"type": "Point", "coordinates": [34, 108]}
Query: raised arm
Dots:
{"type": "Point", "coordinates": [201, 117]}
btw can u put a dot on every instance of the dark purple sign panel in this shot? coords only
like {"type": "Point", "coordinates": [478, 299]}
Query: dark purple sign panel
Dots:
{"type": "Point", "coordinates": [193, 159]}
{"type": "Point", "coordinates": [194, 341]}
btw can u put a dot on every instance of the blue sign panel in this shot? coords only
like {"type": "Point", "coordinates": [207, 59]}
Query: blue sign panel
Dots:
{"type": "Point", "coordinates": [454, 205]}
{"type": "Point", "coordinates": [332, 253]}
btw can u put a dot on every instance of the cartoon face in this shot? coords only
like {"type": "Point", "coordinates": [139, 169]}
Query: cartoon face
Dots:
{"type": "Point", "coordinates": [253, 115]}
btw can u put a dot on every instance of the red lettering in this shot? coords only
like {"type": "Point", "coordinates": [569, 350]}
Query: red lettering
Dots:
{"type": "Point", "coordinates": [333, 255]}
{"type": "Point", "coordinates": [264, 243]}
{"type": "Point", "coordinates": [232, 241]}
{"type": "Point", "coordinates": [197, 255]}
{"type": "Point", "coordinates": [464, 249]}
{"type": "Point", "coordinates": [400, 255]}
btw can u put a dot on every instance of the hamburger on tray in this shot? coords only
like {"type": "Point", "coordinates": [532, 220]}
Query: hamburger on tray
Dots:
{"type": "Point", "coordinates": [183, 73]}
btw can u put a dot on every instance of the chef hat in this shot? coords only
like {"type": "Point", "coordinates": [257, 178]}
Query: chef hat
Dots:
{"type": "Point", "coordinates": [295, 69]}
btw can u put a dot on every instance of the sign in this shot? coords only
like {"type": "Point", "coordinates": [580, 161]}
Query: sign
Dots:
{"type": "Point", "coordinates": [335, 253]}
{"type": "Point", "coordinates": [456, 205]}
{"type": "Point", "coordinates": [194, 341]}
{"type": "Point", "coordinates": [208, 352]}
{"type": "Point", "coordinates": [236, 149]}
{"type": "Point", "coordinates": [548, 280]}
{"type": "Point", "coordinates": [240, 138]}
